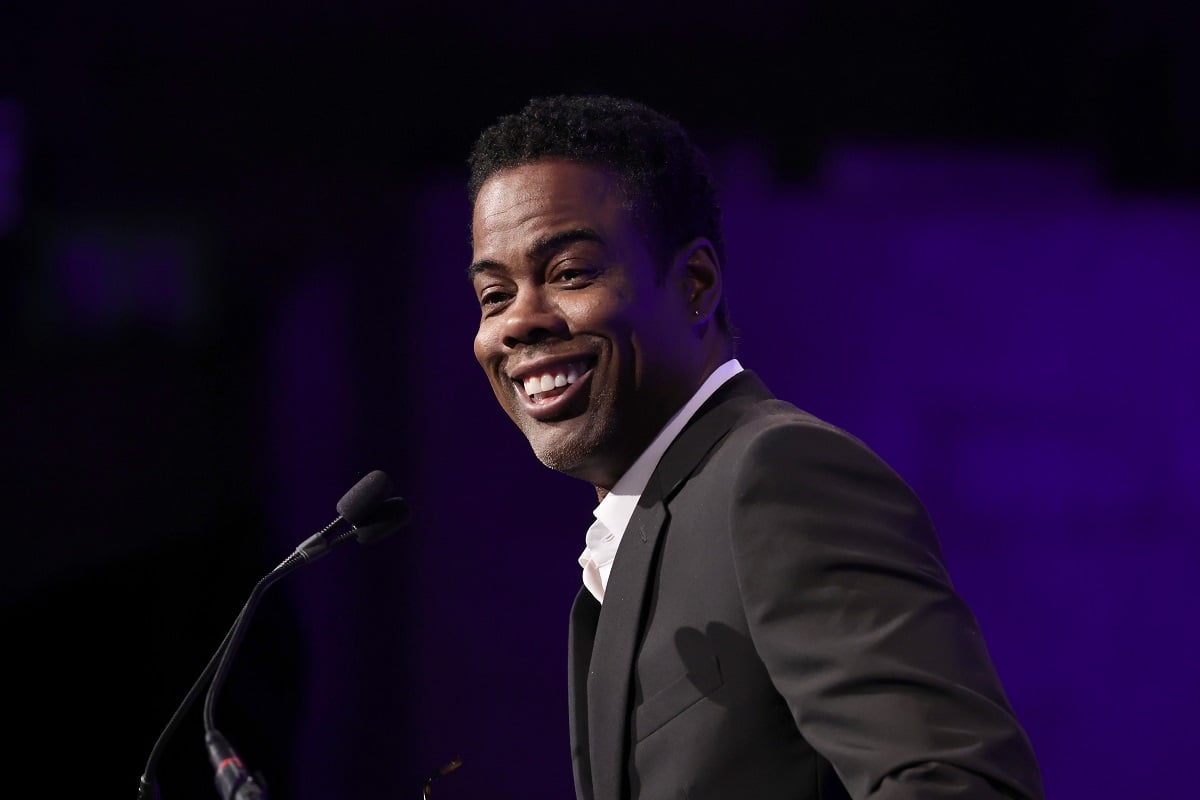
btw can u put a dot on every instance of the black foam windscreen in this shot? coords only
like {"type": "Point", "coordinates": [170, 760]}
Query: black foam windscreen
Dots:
{"type": "Point", "coordinates": [365, 498]}
{"type": "Point", "coordinates": [392, 515]}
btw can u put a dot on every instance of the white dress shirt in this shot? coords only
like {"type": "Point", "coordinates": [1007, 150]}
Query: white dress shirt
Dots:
{"type": "Point", "coordinates": [614, 512]}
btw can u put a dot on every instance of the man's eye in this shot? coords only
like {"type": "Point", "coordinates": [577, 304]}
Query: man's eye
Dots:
{"type": "Point", "coordinates": [574, 275]}
{"type": "Point", "coordinates": [491, 297]}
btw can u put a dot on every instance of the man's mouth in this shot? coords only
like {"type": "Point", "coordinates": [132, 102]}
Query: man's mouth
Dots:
{"type": "Point", "coordinates": [544, 385]}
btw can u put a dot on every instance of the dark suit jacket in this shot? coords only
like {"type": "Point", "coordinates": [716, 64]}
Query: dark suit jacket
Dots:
{"type": "Point", "coordinates": [779, 624]}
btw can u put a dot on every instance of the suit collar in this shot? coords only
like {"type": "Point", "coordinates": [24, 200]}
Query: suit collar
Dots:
{"type": "Point", "coordinates": [615, 510]}
{"type": "Point", "coordinates": [702, 433]}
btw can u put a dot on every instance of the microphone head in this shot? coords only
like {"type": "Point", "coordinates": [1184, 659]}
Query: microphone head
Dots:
{"type": "Point", "coordinates": [392, 515]}
{"type": "Point", "coordinates": [365, 498]}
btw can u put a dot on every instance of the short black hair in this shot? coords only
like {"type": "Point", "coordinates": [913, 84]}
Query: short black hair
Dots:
{"type": "Point", "coordinates": [665, 177]}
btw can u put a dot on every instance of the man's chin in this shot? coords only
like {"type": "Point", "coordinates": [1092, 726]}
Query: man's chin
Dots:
{"type": "Point", "coordinates": [562, 446]}
{"type": "Point", "coordinates": [558, 453]}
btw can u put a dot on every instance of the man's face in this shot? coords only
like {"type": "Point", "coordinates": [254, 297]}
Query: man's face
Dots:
{"type": "Point", "coordinates": [586, 350]}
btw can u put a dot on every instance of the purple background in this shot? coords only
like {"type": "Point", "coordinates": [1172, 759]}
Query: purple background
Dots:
{"type": "Point", "coordinates": [233, 247]}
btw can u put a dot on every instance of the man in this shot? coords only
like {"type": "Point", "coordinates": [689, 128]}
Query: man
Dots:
{"type": "Point", "coordinates": [765, 613]}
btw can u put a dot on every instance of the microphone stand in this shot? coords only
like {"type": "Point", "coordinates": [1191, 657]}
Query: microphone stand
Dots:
{"type": "Point", "coordinates": [233, 780]}
{"type": "Point", "coordinates": [372, 516]}
{"type": "Point", "coordinates": [219, 663]}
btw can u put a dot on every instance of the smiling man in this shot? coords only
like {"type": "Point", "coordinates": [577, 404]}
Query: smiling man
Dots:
{"type": "Point", "coordinates": [765, 612]}
{"type": "Point", "coordinates": [588, 347]}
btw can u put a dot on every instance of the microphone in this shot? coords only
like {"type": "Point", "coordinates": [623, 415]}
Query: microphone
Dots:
{"type": "Point", "coordinates": [372, 516]}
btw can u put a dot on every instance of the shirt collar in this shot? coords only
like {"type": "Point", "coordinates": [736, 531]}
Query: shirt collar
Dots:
{"type": "Point", "coordinates": [616, 509]}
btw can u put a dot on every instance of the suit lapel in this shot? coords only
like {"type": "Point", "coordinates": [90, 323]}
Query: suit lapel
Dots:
{"type": "Point", "coordinates": [617, 632]}
{"type": "Point", "coordinates": [584, 614]}
{"type": "Point", "coordinates": [619, 627]}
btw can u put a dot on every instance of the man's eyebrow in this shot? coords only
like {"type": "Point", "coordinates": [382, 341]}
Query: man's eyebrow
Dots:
{"type": "Point", "coordinates": [483, 266]}
{"type": "Point", "coordinates": [543, 247]}
{"type": "Point", "coordinates": [540, 249]}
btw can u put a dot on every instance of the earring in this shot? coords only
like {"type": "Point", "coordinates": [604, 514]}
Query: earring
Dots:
{"type": "Point", "coordinates": [696, 312]}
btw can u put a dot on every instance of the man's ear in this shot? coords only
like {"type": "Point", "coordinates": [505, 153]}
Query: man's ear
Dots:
{"type": "Point", "coordinates": [699, 273]}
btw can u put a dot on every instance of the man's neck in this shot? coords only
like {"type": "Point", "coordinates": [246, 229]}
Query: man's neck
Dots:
{"type": "Point", "coordinates": [637, 471]}
{"type": "Point", "coordinates": [719, 354]}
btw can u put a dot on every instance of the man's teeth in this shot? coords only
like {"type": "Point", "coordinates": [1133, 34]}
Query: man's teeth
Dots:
{"type": "Point", "coordinates": [553, 379]}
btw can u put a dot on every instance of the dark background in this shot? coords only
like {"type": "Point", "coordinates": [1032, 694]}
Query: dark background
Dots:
{"type": "Point", "coordinates": [232, 240]}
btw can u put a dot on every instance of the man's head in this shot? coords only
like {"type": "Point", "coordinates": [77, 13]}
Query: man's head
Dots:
{"type": "Point", "coordinates": [597, 264]}
{"type": "Point", "coordinates": [665, 178]}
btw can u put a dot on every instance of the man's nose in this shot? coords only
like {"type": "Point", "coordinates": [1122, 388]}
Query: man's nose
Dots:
{"type": "Point", "coordinates": [531, 319]}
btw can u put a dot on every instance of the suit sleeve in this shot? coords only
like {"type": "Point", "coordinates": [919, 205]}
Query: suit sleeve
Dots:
{"type": "Point", "coordinates": [850, 607]}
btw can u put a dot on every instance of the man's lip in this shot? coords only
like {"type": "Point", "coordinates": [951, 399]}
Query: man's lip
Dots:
{"type": "Point", "coordinates": [558, 407]}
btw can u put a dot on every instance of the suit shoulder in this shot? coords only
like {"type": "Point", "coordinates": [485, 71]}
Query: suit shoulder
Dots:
{"type": "Point", "coordinates": [773, 413]}
{"type": "Point", "coordinates": [778, 420]}
{"type": "Point", "coordinates": [777, 434]}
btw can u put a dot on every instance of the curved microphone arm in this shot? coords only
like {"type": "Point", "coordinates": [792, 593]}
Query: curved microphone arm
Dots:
{"type": "Point", "coordinates": [147, 789]}
{"type": "Point", "coordinates": [387, 516]}
{"type": "Point", "coordinates": [233, 639]}
{"type": "Point", "coordinates": [217, 668]}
